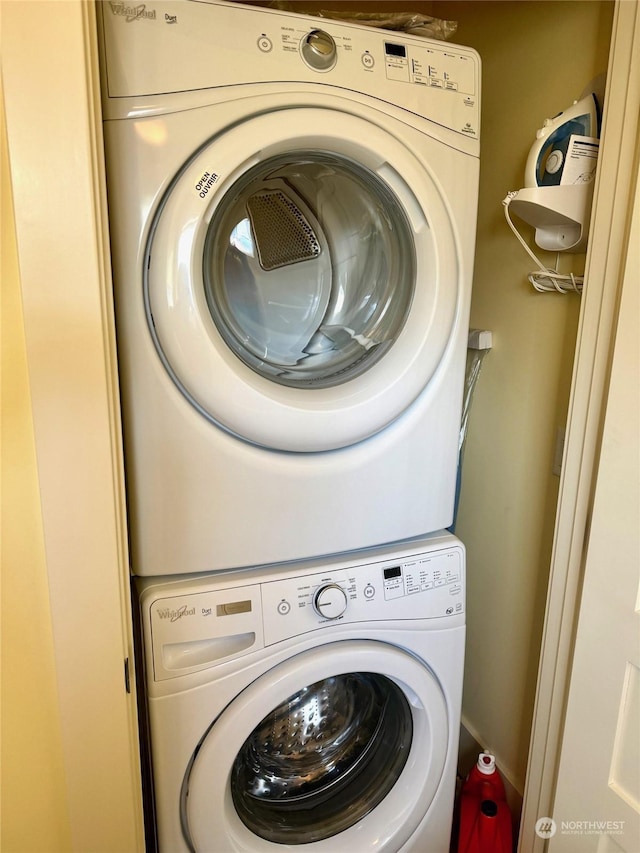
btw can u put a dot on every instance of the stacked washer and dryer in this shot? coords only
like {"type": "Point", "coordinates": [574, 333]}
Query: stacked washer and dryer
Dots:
{"type": "Point", "coordinates": [292, 208]}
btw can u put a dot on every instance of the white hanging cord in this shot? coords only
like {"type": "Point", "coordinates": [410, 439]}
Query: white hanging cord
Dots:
{"type": "Point", "coordinates": [543, 279]}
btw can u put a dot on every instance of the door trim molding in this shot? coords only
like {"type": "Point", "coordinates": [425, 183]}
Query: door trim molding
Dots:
{"type": "Point", "coordinates": [605, 263]}
{"type": "Point", "coordinates": [54, 134]}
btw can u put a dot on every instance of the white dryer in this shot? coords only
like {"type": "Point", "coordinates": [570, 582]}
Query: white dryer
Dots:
{"type": "Point", "coordinates": [292, 212]}
{"type": "Point", "coordinates": [312, 707]}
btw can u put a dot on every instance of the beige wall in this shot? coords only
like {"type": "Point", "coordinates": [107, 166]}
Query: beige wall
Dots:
{"type": "Point", "coordinates": [32, 785]}
{"type": "Point", "coordinates": [537, 58]}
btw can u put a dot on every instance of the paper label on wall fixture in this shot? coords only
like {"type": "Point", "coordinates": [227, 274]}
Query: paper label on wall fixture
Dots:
{"type": "Point", "coordinates": [580, 161]}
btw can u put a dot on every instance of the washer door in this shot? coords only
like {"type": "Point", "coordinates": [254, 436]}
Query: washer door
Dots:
{"type": "Point", "coordinates": [301, 280]}
{"type": "Point", "coordinates": [349, 738]}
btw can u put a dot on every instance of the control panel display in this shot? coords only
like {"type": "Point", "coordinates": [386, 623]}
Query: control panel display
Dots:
{"type": "Point", "coordinates": [395, 50]}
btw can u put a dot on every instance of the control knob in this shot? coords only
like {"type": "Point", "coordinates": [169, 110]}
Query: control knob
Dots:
{"type": "Point", "coordinates": [319, 50]}
{"type": "Point", "coordinates": [330, 601]}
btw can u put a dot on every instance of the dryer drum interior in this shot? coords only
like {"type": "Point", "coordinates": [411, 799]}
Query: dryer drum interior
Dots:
{"type": "Point", "coordinates": [323, 759]}
{"type": "Point", "coordinates": [309, 268]}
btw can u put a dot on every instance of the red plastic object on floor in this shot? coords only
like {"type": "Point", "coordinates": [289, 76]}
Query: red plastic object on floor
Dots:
{"type": "Point", "coordinates": [485, 819]}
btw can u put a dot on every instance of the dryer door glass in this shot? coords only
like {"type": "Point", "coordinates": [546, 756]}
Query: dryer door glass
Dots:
{"type": "Point", "coordinates": [309, 268]}
{"type": "Point", "coordinates": [323, 759]}
{"type": "Point", "coordinates": [303, 266]}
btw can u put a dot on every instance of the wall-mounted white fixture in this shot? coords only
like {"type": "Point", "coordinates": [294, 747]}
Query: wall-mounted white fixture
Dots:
{"type": "Point", "coordinates": [479, 339]}
{"type": "Point", "coordinates": [560, 215]}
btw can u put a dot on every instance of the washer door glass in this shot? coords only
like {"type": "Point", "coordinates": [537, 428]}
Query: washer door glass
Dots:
{"type": "Point", "coordinates": [309, 269]}
{"type": "Point", "coordinates": [352, 753]}
{"type": "Point", "coordinates": [323, 759]}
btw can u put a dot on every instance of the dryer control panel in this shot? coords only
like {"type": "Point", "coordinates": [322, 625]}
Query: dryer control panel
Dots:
{"type": "Point", "coordinates": [213, 44]}
{"type": "Point", "coordinates": [192, 624]}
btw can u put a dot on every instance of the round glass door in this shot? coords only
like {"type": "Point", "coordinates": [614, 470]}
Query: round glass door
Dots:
{"type": "Point", "coordinates": [301, 278]}
{"type": "Point", "coordinates": [348, 739]}
{"type": "Point", "coordinates": [323, 759]}
{"type": "Point", "coordinates": [309, 269]}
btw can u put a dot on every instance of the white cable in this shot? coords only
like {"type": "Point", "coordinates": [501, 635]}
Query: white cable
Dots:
{"type": "Point", "coordinates": [543, 279]}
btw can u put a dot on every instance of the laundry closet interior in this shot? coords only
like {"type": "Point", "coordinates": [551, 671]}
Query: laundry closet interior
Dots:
{"type": "Point", "coordinates": [510, 469]}
{"type": "Point", "coordinates": [537, 57]}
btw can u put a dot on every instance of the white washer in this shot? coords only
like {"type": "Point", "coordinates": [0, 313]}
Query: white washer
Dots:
{"type": "Point", "coordinates": [292, 208]}
{"type": "Point", "coordinates": [314, 705]}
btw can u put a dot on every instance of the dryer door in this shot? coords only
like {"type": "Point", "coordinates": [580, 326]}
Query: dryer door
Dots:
{"type": "Point", "coordinates": [302, 279]}
{"type": "Point", "coordinates": [348, 738]}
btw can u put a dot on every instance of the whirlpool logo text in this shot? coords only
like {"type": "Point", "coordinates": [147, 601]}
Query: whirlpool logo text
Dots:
{"type": "Point", "coordinates": [173, 614]}
{"type": "Point", "coordinates": [133, 13]}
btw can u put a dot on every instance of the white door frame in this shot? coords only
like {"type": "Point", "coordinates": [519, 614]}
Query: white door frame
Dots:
{"type": "Point", "coordinates": [613, 203]}
{"type": "Point", "coordinates": [54, 132]}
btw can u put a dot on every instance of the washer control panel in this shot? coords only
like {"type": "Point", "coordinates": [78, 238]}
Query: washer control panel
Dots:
{"type": "Point", "coordinates": [425, 586]}
{"type": "Point", "coordinates": [193, 624]}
